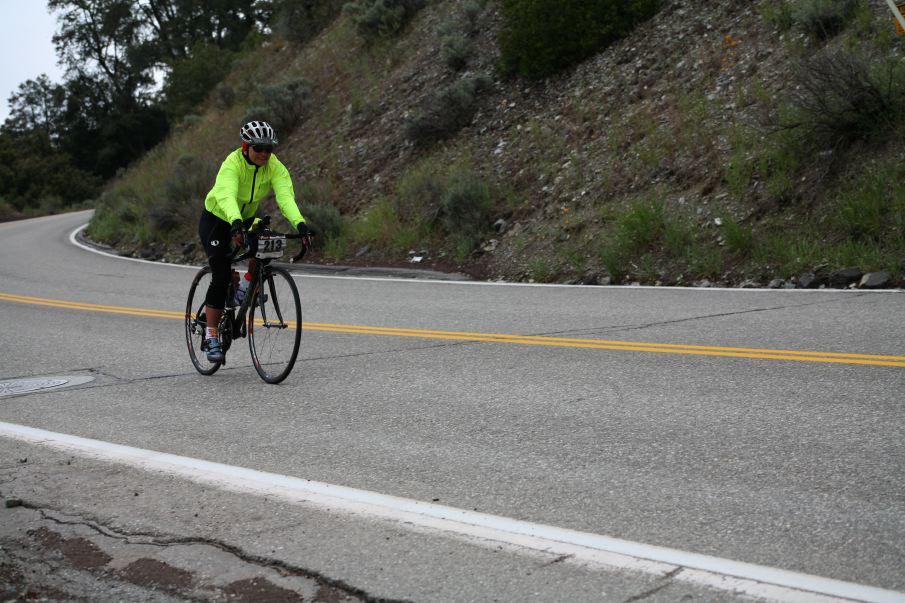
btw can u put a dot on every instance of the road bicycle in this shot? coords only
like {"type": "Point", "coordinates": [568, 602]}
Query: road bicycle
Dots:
{"type": "Point", "coordinates": [270, 316]}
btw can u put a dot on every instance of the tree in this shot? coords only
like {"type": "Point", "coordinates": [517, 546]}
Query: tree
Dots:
{"type": "Point", "coordinates": [109, 111]}
{"type": "Point", "coordinates": [178, 26]}
{"type": "Point", "coordinates": [104, 40]}
{"type": "Point", "coordinates": [35, 173]}
{"type": "Point", "coordinates": [192, 77]}
{"type": "Point", "coordinates": [37, 105]}
{"type": "Point", "coordinates": [111, 114]}
{"type": "Point", "coordinates": [197, 42]}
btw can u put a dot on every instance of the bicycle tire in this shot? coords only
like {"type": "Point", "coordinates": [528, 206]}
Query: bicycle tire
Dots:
{"type": "Point", "coordinates": [274, 325]}
{"type": "Point", "coordinates": [194, 328]}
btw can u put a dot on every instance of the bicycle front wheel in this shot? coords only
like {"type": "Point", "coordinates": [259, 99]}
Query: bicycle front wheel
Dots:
{"type": "Point", "coordinates": [195, 322]}
{"type": "Point", "coordinates": [275, 325]}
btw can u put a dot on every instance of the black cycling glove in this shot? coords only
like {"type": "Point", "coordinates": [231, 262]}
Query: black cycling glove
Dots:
{"type": "Point", "coordinates": [304, 230]}
{"type": "Point", "coordinates": [237, 232]}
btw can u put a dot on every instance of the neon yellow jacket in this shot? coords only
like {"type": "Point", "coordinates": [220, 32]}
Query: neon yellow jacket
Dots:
{"type": "Point", "coordinates": [232, 197]}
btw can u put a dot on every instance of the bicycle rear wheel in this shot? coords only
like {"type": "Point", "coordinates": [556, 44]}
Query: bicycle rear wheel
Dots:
{"type": "Point", "coordinates": [195, 322]}
{"type": "Point", "coordinates": [275, 325]}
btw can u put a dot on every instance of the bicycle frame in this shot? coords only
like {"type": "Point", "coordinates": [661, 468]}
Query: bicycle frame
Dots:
{"type": "Point", "coordinates": [259, 271]}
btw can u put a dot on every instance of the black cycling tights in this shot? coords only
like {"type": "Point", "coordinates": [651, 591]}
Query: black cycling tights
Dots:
{"type": "Point", "coordinates": [214, 234]}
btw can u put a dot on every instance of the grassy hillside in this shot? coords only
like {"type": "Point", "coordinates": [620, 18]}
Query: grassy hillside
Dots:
{"type": "Point", "coordinates": [720, 141]}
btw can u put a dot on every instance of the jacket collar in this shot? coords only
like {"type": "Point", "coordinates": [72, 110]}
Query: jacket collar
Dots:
{"type": "Point", "coordinates": [248, 162]}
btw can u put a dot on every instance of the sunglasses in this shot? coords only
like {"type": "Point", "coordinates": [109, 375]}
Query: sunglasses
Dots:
{"type": "Point", "coordinates": [262, 148]}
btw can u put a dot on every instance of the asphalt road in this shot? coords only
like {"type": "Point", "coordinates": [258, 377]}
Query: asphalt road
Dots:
{"type": "Point", "coordinates": [790, 460]}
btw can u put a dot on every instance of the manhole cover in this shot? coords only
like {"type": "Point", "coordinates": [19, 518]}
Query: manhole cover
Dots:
{"type": "Point", "coordinates": [23, 386]}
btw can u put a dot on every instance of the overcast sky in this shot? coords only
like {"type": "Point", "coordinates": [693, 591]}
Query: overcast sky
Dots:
{"type": "Point", "coordinates": [26, 48]}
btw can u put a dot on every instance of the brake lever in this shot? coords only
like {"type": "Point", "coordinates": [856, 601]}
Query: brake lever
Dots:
{"type": "Point", "coordinates": [306, 244]}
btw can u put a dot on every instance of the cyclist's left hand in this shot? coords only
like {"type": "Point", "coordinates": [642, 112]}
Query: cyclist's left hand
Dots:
{"type": "Point", "coordinates": [237, 232]}
{"type": "Point", "coordinates": [305, 230]}
{"type": "Point", "coordinates": [305, 234]}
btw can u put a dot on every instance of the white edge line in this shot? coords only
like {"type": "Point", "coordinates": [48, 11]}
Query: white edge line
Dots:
{"type": "Point", "coordinates": [581, 546]}
{"type": "Point", "coordinates": [73, 239]}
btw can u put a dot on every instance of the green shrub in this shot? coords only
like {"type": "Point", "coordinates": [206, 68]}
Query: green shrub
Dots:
{"type": "Point", "coordinates": [446, 112]}
{"type": "Point", "coordinates": [822, 19]}
{"type": "Point", "coordinates": [164, 217]}
{"type": "Point", "coordinates": [540, 271]}
{"type": "Point", "coordinates": [471, 10]}
{"type": "Point", "coordinates": [643, 231]}
{"type": "Point", "coordinates": [190, 180]}
{"type": "Point", "coordinates": [466, 204]}
{"type": "Point", "coordinates": [375, 225]}
{"type": "Point", "coordinates": [8, 212]}
{"type": "Point", "coordinates": [871, 207]}
{"type": "Point", "coordinates": [541, 37]}
{"type": "Point", "coordinates": [314, 192]}
{"type": "Point", "coordinates": [47, 205]}
{"type": "Point", "coordinates": [456, 47]}
{"type": "Point", "coordinates": [104, 228]}
{"type": "Point", "coordinates": [183, 193]}
{"type": "Point", "coordinates": [419, 193]}
{"type": "Point", "coordinates": [779, 13]}
{"type": "Point", "coordinates": [335, 248]}
{"type": "Point", "coordinates": [381, 18]}
{"type": "Point", "coordinates": [707, 262]}
{"type": "Point", "coordinates": [739, 239]}
{"type": "Point", "coordinates": [739, 170]}
{"type": "Point", "coordinates": [116, 214]}
{"type": "Point", "coordinates": [791, 255]}
{"type": "Point", "coordinates": [464, 246]}
{"type": "Point", "coordinates": [325, 219]}
{"type": "Point", "coordinates": [282, 105]}
{"type": "Point", "coordinates": [641, 226]}
{"type": "Point", "coordinates": [778, 161]}
{"type": "Point", "coordinates": [381, 226]}
{"type": "Point", "coordinates": [224, 96]}
{"type": "Point", "coordinates": [843, 98]}
{"type": "Point", "coordinates": [615, 260]}
{"type": "Point", "coordinates": [864, 255]}
{"type": "Point", "coordinates": [455, 50]}
{"type": "Point", "coordinates": [456, 199]}
{"type": "Point", "coordinates": [678, 238]}
{"type": "Point", "coordinates": [298, 21]}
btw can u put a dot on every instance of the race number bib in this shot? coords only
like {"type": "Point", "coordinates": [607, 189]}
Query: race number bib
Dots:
{"type": "Point", "coordinates": [270, 246]}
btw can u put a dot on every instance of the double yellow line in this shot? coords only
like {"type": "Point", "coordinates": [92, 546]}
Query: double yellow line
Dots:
{"type": "Point", "coordinates": [560, 342]}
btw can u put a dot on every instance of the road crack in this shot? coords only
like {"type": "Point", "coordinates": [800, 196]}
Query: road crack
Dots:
{"type": "Point", "coordinates": [559, 559]}
{"type": "Point", "coordinates": [666, 579]}
{"type": "Point", "coordinates": [162, 540]}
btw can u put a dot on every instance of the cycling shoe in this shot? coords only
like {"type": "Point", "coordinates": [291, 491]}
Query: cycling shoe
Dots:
{"type": "Point", "coordinates": [214, 351]}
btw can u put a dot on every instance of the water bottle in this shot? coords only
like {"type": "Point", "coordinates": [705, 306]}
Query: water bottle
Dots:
{"type": "Point", "coordinates": [233, 289]}
{"type": "Point", "coordinates": [242, 289]}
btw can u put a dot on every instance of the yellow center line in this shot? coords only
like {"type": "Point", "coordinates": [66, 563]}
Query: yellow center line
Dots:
{"type": "Point", "coordinates": [566, 342]}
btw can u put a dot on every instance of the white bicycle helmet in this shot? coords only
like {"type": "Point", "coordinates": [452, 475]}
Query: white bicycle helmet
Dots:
{"type": "Point", "coordinates": [258, 132]}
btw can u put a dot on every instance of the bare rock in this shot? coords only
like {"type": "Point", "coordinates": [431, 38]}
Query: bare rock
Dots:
{"type": "Point", "coordinates": [811, 280]}
{"type": "Point", "coordinates": [874, 280]}
{"type": "Point", "coordinates": [844, 277]}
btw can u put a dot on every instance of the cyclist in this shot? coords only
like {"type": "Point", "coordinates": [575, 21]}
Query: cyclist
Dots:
{"type": "Point", "coordinates": [246, 176]}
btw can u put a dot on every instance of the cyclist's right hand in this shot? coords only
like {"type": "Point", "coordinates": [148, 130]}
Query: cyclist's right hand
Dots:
{"type": "Point", "coordinates": [237, 232]}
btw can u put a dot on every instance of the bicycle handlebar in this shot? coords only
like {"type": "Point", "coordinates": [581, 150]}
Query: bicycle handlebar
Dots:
{"type": "Point", "coordinates": [243, 253]}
